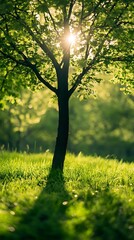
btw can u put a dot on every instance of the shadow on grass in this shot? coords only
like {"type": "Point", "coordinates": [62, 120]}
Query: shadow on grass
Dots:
{"type": "Point", "coordinates": [97, 215]}
{"type": "Point", "coordinates": [108, 217]}
{"type": "Point", "coordinates": [45, 219]}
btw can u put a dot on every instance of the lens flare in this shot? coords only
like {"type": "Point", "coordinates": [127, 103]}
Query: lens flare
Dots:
{"type": "Point", "coordinates": [71, 38]}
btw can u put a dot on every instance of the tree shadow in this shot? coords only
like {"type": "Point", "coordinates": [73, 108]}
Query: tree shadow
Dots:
{"type": "Point", "coordinates": [107, 217]}
{"type": "Point", "coordinates": [46, 218]}
{"type": "Point", "coordinates": [95, 215]}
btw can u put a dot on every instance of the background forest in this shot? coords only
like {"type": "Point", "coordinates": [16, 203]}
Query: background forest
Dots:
{"type": "Point", "coordinates": [101, 125]}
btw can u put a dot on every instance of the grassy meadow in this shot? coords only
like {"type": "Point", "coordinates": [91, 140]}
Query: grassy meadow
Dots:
{"type": "Point", "coordinates": [92, 200]}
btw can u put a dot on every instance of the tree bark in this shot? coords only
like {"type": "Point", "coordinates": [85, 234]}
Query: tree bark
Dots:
{"type": "Point", "coordinates": [62, 133]}
{"type": "Point", "coordinates": [63, 105]}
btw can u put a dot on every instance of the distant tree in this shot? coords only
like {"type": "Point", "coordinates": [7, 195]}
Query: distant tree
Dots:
{"type": "Point", "coordinates": [63, 44]}
{"type": "Point", "coordinates": [105, 126]}
{"type": "Point", "coordinates": [19, 117]}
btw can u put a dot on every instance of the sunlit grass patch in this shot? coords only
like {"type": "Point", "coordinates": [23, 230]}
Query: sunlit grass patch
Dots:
{"type": "Point", "coordinates": [93, 200]}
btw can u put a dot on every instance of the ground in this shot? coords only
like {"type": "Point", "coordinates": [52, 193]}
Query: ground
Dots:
{"type": "Point", "coordinates": [93, 199]}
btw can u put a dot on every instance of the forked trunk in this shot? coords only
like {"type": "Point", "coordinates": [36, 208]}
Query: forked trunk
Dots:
{"type": "Point", "coordinates": [62, 134]}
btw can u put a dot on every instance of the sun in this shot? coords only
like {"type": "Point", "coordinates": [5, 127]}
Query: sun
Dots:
{"type": "Point", "coordinates": [71, 38]}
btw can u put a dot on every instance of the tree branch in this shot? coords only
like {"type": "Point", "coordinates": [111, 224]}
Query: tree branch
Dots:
{"type": "Point", "coordinates": [91, 27]}
{"type": "Point", "coordinates": [43, 47]}
{"type": "Point", "coordinates": [88, 39]}
{"type": "Point", "coordinates": [79, 79]}
{"type": "Point", "coordinates": [86, 69]}
{"type": "Point", "coordinates": [8, 56]}
{"type": "Point", "coordinates": [93, 10]}
{"type": "Point", "coordinates": [25, 62]}
{"type": "Point", "coordinates": [47, 84]}
{"type": "Point", "coordinates": [128, 58]}
{"type": "Point", "coordinates": [115, 23]}
{"type": "Point", "coordinates": [33, 67]}
{"type": "Point", "coordinates": [72, 2]}
{"type": "Point", "coordinates": [52, 19]}
{"type": "Point", "coordinates": [41, 43]}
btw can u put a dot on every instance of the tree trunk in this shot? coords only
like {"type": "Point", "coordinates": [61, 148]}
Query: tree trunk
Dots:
{"type": "Point", "coordinates": [62, 134]}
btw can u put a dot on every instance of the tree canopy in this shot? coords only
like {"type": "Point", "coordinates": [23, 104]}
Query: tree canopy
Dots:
{"type": "Point", "coordinates": [38, 38]}
{"type": "Point", "coordinates": [63, 45]}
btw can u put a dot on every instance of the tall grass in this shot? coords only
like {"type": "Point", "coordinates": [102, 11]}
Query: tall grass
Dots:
{"type": "Point", "coordinates": [94, 199]}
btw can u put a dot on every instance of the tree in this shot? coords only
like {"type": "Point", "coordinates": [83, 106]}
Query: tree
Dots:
{"type": "Point", "coordinates": [105, 126]}
{"type": "Point", "coordinates": [63, 44]}
{"type": "Point", "coordinates": [19, 118]}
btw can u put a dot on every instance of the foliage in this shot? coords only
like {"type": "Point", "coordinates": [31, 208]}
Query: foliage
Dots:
{"type": "Point", "coordinates": [33, 43]}
{"type": "Point", "coordinates": [101, 125]}
{"type": "Point", "coordinates": [22, 123]}
{"type": "Point", "coordinates": [37, 45]}
{"type": "Point", "coordinates": [95, 199]}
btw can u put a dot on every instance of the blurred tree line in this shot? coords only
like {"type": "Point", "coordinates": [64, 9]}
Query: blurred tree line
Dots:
{"type": "Point", "coordinates": [103, 125]}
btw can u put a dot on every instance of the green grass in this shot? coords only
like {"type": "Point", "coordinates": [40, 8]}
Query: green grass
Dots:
{"type": "Point", "coordinates": [94, 200]}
